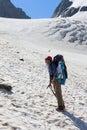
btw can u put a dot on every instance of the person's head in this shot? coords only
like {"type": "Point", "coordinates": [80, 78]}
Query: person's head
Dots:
{"type": "Point", "coordinates": [48, 59]}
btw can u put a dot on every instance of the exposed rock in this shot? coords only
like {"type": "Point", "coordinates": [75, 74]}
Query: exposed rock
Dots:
{"type": "Point", "coordinates": [21, 59]}
{"type": "Point", "coordinates": [8, 10]}
{"type": "Point", "coordinates": [6, 87]}
{"type": "Point", "coordinates": [69, 13]}
{"type": "Point", "coordinates": [66, 10]}
{"type": "Point", "coordinates": [84, 8]}
{"type": "Point", "coordinates": [63, 7]}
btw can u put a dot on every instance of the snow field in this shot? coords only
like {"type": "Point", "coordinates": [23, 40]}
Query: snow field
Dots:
{"type": "Point", "coordinates": [31, 105]}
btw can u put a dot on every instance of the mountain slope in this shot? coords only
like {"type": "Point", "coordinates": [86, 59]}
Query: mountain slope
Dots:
{"type": "Point", "coordinates": [68, 8]}
{"type": "Point", "coordinates": [71, 33]}
{"type": "Point", "coordinates": [8, 10]}
{"type": "Point", "coordinates": [30, 105]}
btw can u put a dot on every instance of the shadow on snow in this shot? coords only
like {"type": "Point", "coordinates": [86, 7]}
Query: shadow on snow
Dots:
{"type": "Point", "coordinates": [78, 122]}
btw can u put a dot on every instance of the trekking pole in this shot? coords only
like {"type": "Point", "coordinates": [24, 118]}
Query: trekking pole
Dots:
{"type": "Point", "coordinates": [52, 90]}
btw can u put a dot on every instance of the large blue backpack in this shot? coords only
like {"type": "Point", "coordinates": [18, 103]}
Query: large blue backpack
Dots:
{"type": "Point", "coordinates": [58, 60]}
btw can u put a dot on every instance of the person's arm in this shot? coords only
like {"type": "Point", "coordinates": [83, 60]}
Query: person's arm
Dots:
{"type": "Point", "coordinates": [54, 71]}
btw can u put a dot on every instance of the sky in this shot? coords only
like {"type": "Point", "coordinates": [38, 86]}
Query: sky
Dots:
{"type": "Point", "coordinates": [37, 8]}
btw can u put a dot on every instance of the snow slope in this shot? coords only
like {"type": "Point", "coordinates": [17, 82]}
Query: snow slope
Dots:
{"type": "Point", "coordinates": [79, 3]}
{"type": "Point", "coordinates": [30, 105]}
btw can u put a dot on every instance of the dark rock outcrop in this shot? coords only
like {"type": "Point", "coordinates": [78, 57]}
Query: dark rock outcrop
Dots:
{"type": "Point", "coordinates": [84, 8]}
{"type": "Point", "coordinates": [64, 9]}
{"type": "Point", "coordinates": [8, 10]}
{"type": "Point", "coordinates": [6, 87]}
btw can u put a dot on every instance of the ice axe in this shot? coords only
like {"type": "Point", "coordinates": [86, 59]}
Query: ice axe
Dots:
{"type": "Point", "coordinates": [51, 88]}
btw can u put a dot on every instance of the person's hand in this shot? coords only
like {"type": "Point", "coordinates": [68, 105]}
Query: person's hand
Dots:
{"type": "Point", "coordinates": [53, 80]}
{"type": "Point", "coordinates": [49, 85]}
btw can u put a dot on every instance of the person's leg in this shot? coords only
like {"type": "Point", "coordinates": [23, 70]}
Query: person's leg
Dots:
{"type": "Point", "coordinates": [58, 92]}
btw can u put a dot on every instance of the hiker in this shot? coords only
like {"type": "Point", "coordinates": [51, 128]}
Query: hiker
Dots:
{"type": "Point", "coordinates": [52, 69]}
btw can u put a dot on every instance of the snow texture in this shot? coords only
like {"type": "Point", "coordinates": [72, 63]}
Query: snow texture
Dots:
{"type": "Point", "coordinates": [68, 30]}
{"type": "Point", "coordinates": [23, 46]}
{"type": "Point", "coordinates": [79, 3]}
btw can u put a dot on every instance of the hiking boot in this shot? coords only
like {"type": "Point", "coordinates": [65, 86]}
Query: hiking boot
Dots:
{"type": "Point", "coordinates": [60, 108]}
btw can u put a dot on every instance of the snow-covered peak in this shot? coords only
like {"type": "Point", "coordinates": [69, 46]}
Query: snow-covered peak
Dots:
{"type": "Point", "coordinates": [79, 3]}
{"type": "Point", "coordinates": [68, 8]}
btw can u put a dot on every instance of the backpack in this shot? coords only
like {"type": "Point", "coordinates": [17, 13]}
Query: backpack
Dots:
{"type": "Point", "coordinates": [59, 62]}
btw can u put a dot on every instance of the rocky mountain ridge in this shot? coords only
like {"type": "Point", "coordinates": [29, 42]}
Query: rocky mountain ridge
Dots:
{"type": "Point", "coordinates": [68, 8]}
{"type": "Point", "coordinates": [8, 10]}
